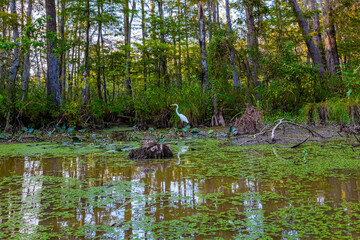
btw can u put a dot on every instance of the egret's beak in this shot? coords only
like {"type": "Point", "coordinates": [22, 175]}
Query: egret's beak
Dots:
{"type": "Point", "coordinates": [171, 104]}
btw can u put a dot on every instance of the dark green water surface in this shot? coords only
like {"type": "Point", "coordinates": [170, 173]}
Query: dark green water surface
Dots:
{"type": "Point", "coordinates": [208, 191]}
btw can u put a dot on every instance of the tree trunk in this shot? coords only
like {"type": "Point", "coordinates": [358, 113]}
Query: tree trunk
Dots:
{"type": "Point", "coordinates": [252, 45]}
{"type": "Point", "coordinates": [16, 53]}
{"type": "Point", "coordinates": [330, 38]}
{"type": "Point", "coordinates": [209, 19]}
{"type": "Point", "coordinates": [232, 58]}
{"type": "Point", "coordinates": [2, 53]}
{"type": "Point", "coordinates": [314, 52]}
{"type": "Point", "coordinates": [26, 66]}
{"type": "Point", "coordinates": [86, 90]}
{"type": "Point", "coordinates": [14, 66]}
{"type": "Point", "coordinates": [279, 21]}
{"type": "Point", "coordinates": [316, 28]}
{"type": "Point", "coordinates": [52, 85]}
{"type": "Point", "coordinates": [144, 48]}
{"type": "Point", "coordinates": [98, 74]}
{"type": "Point", "coordinates": [163, 60]}
{"type": "Point", "coordinates": [202, 42]}
{"type": "Point", "coordinates": [102, 62]}
{"type": "Point", "coordinates": [62, 65]}
{"type": "Point", "coordinates": [127, 31]}
{"type": "Point", "coordinates": [187, 43]}
{"type": "Point", "coordinates": [179, 41]}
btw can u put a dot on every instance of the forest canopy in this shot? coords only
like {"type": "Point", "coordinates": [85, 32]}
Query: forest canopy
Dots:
{"type": "Point", "coordinates": [97, 61]}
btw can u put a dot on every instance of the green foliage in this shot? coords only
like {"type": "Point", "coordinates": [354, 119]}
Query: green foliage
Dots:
{"type": "Point", "coordinates": [289, 82]}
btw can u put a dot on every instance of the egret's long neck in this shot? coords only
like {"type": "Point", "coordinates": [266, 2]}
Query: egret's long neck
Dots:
{"type": "Point", "coordinates": [177, 109]}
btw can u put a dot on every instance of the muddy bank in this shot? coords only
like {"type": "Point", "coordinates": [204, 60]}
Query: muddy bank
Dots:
{"type": "Point", "coordinates": [117, 140]}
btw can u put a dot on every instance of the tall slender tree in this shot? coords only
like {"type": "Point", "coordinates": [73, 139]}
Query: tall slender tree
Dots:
{"type": "Point", "coordinates": [232, 58]}
{"type": "Point", "coordinates": [14, 65]}
{"type": "Point", "coordinates": [98, 49]}
{"type": "Point", "coordinates": [52, 81]}
{"type": "Point", "coordinates": [313, 50]}
{"type": "Point", "coordinates": [252, 44]}
{"type": "Point", "coordinates": [86, 88]}
{"type": "Point", "coordinates": [162, 57]}
{"type": "Point", "coordinates": [62, 62]}
{"type": "Point", "coordinates": [316, 29]}
{"type": "Point", "coordinates": [202, 42]}
{"type": "Point", "coordinates": [127, 33]}
{"type": "Point", "coordinates": [332, 55]}
{"type": "Point", "coordinates": [26, 63]}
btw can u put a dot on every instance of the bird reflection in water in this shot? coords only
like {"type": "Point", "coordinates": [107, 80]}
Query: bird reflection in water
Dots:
{"type": "Point", "coordinates": [182, 150]}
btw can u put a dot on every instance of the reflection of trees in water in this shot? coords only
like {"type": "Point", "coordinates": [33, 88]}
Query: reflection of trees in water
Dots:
{"type": "Point", "coordinates": [153, 189]}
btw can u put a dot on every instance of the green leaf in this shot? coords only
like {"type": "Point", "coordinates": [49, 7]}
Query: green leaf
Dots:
{"type": "Point", "coordinates": [71, 129]}
{"type": "Point", "coordinates": [194, 130]}
{"type": "Point", "coordinates": [348, 92]}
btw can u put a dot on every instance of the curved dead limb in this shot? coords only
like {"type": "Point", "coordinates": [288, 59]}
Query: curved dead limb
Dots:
{"type": "Point", "coordinates": [298, 144]}
{"type": "Point", "coordinates": [314, 133]}
{"type": "Point", "coordinates": [273, 130]}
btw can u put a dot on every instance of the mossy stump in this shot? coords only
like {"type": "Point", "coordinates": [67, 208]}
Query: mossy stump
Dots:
{"type": "Point", "coordinates": [151, 150]}
{"type": "Point", "coordinates": [250, 121]}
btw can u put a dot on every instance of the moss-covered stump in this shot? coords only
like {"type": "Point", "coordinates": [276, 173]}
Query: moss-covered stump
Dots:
{"type": "Point", "coordinates": [151, 150]}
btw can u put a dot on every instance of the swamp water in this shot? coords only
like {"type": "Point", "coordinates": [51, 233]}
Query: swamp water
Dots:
{"type": "Point", "coordinates": [207, 191]}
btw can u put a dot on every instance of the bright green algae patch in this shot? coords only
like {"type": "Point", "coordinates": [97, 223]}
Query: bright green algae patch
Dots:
{"type": "Point", "coordinates": [60, 150]}
{"type": "Point", "coordinates": [46, 149]}
{"type": "Point", "coordinates": [215, 191]}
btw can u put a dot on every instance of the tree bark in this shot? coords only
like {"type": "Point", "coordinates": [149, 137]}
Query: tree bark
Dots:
{"type": "Point", "coordinates": [316, 28]}
{"type": "Point", "coordinates": [252, 45]}
{"type": "Point", "coordinates": [102, 59]}
{"type": "Point", "coordinates": [26, 66]}
{"type": "Point", "coordinates": [62, 65]}
{"type": "Point", "coordinates": [98, 74]}
{"type": "Point", "coordinates": [202, 42]}
{"type": "Point", "coordinates": [232, 58]}
{"type": "Point", "coordinates": [86, 90]}
{"type": "Point", "coordinates": [127, 32]}
{"type": "Point", "coordinates": [163, 60]}
{"type": "Point", "coordinates": [332, 56]}
{"type": "Point", "coordinates": [52, 85]}
{"type": "Point", "coordinates": [14, 66]}
{"type": "Point", "coordinates": [144, 48]}
{"type": "Point", "coordinates": [314, 52]}
{"type": "Point", "coordinates": [179, 76]}
{"type": "Point", "coordinates": [16, 53]}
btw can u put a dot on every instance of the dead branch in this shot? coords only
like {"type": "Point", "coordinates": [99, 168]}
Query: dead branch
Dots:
{"type": "Point", "coordinates": [298, 144]}
{"type": "Point", "coordinates": [281, 121]}
{"type": "Point", "coordinates": [357, 139]}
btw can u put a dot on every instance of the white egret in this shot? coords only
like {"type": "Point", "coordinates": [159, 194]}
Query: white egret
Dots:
{"type": "Point", "coordinates": [181, 116]}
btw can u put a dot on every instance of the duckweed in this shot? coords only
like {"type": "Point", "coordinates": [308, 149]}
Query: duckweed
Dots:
{"type": "Point", "coordinates": [211, 191]}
